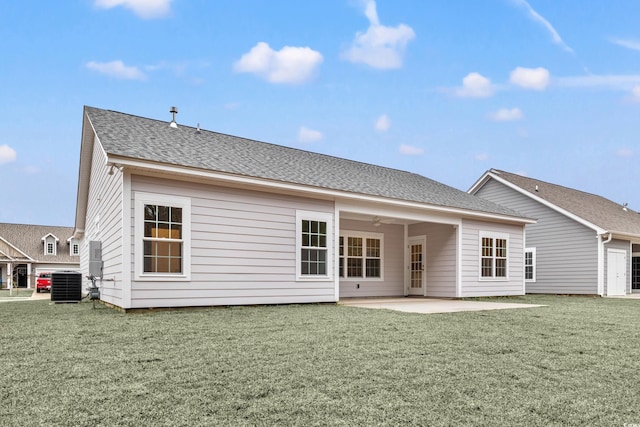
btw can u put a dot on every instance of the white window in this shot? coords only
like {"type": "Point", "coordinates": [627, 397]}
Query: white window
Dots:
{"type": "Point", "coordinates": [74, 247]}
{"type": "Point", "coordinates": [162, 237]}
{"type": "Point", "coordinates": [361, 255]}
{"type": "Point", "coordinates": [530, 264]}
{"type": "Point", "coordinates": [314, 242]}
{"type": "Point", "coordinates": [50, 245]}
{"type": "Point", "coordinates": [494, 261]}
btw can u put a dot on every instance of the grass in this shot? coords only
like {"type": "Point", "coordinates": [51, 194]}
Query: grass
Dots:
{"type": "Point", "coordinates": [574, 362]}
{"type": "Point", "coordinates": [15, 292]}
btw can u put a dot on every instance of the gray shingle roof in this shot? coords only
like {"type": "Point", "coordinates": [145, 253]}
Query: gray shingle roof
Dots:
{"type": "Point", "coordinates": [147, 139]}
{"type": "Point", "coordinates": [28, 239]}
{"type": "Point", "coordinates": [595, 209]}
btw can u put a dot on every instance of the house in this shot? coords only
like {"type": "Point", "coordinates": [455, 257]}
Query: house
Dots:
{"type": "Point", "coordinates": [27, 250]}
{"type": "Point", "coordinates": [188, 217]}
{"type": "Point", "coordinates": [581, 244]}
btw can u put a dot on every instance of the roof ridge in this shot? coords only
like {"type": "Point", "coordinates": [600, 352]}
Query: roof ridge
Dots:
{"type": "Point", "coordinates": [36, 225]}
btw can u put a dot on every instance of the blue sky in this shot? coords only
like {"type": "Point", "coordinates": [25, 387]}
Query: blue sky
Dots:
{"type": "Point", "coordinates": [446, 89]}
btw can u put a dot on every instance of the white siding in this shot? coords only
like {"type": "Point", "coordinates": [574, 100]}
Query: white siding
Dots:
{"type": "Point", "coordinates": [104, 223]}
{"type": "Point", "coordinates": [472, 286]}
{"type": "Point", "coordinates": [393, 283]}
{"type": "Point", "coordinates": [566, 251]}
{"type": "Point", "coordinates": [440, 257]}
{"type": "Point", "coordinates": [242, 249]}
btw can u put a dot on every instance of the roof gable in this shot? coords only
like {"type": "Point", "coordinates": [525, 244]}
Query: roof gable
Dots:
{"type": "Point", "coordinates": [132, 137]}
{"type": "Point", "coordinates": [28, 240]}
{"type": "Point", "coordinates": [590, 209]}
{"type": "Point", "coordinates": [50, 235]}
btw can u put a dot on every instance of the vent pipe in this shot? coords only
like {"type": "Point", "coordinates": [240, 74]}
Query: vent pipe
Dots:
{"type": "Point", "coordinates": [173, 111]}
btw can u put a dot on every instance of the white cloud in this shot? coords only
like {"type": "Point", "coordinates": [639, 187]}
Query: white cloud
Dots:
{"type": "Point", "coordinates": [546, 24]}
{"type": "Point", "coordinates": [530, 78]}
{"type": "Point", "coordinates": [7, 154]}
{"type": "Point", "coordinates": [116, 69]}
{"type": "Point", "coordinates": [613, 81]}
{"type": "Point", "coordinates": [635, 93]}
{"type": "Point", "coordinates": [506, 115]}
{"type": "Point", "coordinates": [147, 9]}
{"type": "Point", "coordinates": [475, 85]}
{"type": "Point", "coordinates": [409, 150]}
{"type": "Point", "coordinates": [292, 65]}
{"type": "Point", "coordinates": [629, 44]}
{"type": "Point", "coordinates": [625, 152]}
{"type": "Point", "coordinates": [306, 135]}
{"type": "Point", "coordinates": [383, 123]}
{"type": "Point", "coordinates": [482, 157]}
{"type": "Point", "coordinates": [380, 46]}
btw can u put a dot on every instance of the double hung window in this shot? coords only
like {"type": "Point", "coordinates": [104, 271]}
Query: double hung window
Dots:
{"type": "Point", "coordinates": [314, 237]}
{"type": "Point", "coordinates": [530, 264]}
{"type": "Point", "coordinates": [493, 256]}
{"type": "Point", "coordinates": [162, 236]}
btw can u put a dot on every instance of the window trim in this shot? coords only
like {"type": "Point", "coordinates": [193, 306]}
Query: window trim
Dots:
{"type": "Point", "coordinates": [142, 199]}
{"type": "Point", "coordinates": [52, 242]}
{"type": "Point", "coordinates": [345, 234]}
{"type": "Point", "coordinates": [494, 236]}
{"type": "Point", "coordinates": [533, 264]}
{"type": "Point", "coordinates": [314, 216]}
{"type": "Point", "coordinates": [73, 243]}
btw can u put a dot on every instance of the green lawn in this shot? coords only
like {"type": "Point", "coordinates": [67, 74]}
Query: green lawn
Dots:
{"type": "Point", "coordinates": [575, 362]}
{"type": "Point", "coordinates": [16, 292]}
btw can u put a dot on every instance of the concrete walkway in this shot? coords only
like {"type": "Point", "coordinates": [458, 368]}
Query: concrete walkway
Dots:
{"type": "Point", "coordinates": [41, 295]}
{"type": "Point", "coordinates": [430, 305]}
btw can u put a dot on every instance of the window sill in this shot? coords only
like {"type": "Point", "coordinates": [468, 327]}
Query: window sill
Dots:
{"type": "Point", "coordinates": [314, 279]}
{"type": "Point", "coordinates": [362, 279]}
{"type": "Point", "coordinates": [163, 278]}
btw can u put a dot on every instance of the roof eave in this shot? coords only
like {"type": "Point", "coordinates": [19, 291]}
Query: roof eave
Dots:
{"type": "Point", "coordinates": [154, 166]}
{"type": "Point", "coordinates": [490, 175]}
{"type": "Point", "coordinates": [84, 173]}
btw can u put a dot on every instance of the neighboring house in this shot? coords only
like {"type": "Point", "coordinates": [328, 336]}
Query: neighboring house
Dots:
{"type": "Point", "coordinates": [188, 217]}
{"type": "Point", "coordinates": [581, 243]}
{"type": "Point", "coordinates": [27, 250]}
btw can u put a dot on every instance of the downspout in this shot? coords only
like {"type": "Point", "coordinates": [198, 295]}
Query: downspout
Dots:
{"type": "Point", "coordinates": [601, 254]}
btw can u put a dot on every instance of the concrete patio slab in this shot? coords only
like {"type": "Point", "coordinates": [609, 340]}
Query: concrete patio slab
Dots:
{"type": "Point", "coordinates": [627, 296]}
{"type": "Point", "coordinates": [430, 305]}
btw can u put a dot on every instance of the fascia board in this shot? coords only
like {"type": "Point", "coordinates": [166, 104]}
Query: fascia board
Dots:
{"type": "Point", "coordinates": [84, 174]}
{"type": "Point", "coordinates": [279, 185]}
{"type": "Point", "coordinates": [542, 201]}
{"type": "Point", "coordinates": [15, 248]}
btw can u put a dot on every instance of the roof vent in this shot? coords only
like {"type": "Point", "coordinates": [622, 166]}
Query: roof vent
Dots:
{"type": "Point", "coordinates": [624, 206]}
{"type": "Point", "coordinates": [537, 188]}
{"type": "Point", "coordinates": [198, 129]}
{"type": "Point", "coordinates": [173, 111]}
